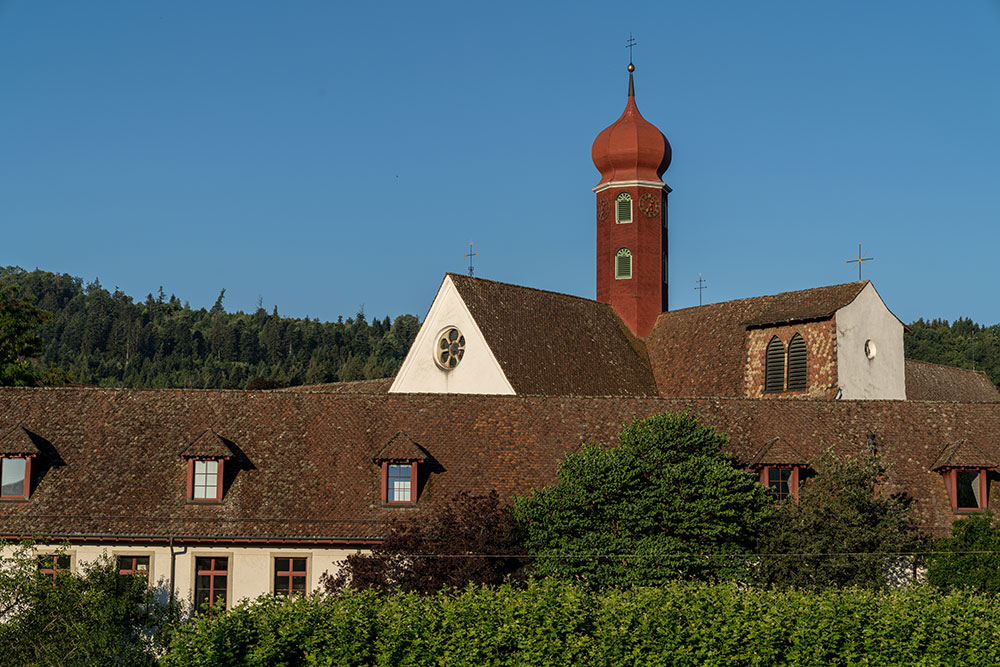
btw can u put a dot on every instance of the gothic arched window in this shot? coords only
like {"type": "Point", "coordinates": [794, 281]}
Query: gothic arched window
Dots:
{"type": "Point", "coordinates": [623, 208]}
{"type": "Point", "coordinates": [774, 366]}
{"type": "Point", "coordinates": [623, 264]}
{"type": "Point", "coordinates": [797, 364]}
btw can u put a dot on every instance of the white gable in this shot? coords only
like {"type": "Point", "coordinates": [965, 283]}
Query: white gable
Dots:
{"type": "Point", "coordinates": [869, 349]}
{"type": "Point", "coordinates": [478, 372]}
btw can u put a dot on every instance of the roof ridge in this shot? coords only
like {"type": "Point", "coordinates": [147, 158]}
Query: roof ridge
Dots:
{"type": "Point", "coordinates": [860, 283]}
{"type": "Point", "coordinates": [948, 366]}
{"type": "Point", "coordinates": [525, 287]}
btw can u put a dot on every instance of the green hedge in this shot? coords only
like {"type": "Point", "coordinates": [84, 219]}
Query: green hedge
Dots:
{"type": "Point", "coordinates": [559, 624]}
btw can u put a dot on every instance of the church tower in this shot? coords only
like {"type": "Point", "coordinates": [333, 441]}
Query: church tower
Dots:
{"type": "Point", "coordinates": [632, 155]}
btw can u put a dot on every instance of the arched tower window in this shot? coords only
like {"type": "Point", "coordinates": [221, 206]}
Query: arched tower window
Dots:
{"type": "Point", "coordinates": [774, 366]}
{"type": "Point", "coordinates": [623, 264]}
{"type": "Point", "coordinates": [623, 208]}
{"type": "Point", "coordinates": [797, 364]}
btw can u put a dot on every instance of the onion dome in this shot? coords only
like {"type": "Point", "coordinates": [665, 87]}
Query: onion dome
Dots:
{"type": "Point", "coordinates": [632, 148]}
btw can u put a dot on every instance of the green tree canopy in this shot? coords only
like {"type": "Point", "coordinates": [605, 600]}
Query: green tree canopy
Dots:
{"type": "Point", "coordinates": [969, 557]}
{"type": "Point", "coordinates": [843, 531]}
{"type": "Point", "coordinates": [19, 340]}
{"type": "Point", "coordinates": [666, 503]}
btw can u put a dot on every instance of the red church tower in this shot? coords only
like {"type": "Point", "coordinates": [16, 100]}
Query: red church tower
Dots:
{"type": "Point", "coordinates": [632, 155]}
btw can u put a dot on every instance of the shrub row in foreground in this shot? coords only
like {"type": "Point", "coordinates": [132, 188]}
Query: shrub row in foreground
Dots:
{"type": "Point", "coordinates": [559, 624]}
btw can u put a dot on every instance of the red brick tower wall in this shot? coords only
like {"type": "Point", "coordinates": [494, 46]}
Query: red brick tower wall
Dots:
{"type": "Point", "coordinates": [640, 299]}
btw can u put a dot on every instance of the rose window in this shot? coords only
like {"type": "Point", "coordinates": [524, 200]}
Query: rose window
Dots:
{"type": "Point", "coordinates": [450, 348]}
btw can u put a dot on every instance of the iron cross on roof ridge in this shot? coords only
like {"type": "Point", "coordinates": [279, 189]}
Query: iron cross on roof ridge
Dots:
{"type": "Point", "coordinates": [470, 255]}
{"type": "Point", "coordinates": [860, 260]}
{"type": "Point", "coordinates": [628, 45]}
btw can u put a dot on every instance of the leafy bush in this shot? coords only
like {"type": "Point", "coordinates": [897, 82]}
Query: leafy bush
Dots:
{"type": "Point", "coordinates": [91, 618]}
{"type": "Point", "coordinates": [558, 623]}
{"type": "Point", "coordinates": [662, 505]}
{"type": "Point", "coordinates": [843, 531]}
{"type": "Point", "coordinates": [969, 557]}
{"type": "Point", "coordinates": [470, 538]}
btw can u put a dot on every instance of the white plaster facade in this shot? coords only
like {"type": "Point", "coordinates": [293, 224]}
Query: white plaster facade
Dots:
{"type": "Point", "coordinates": [477, 373]}
{"type": "Point", "coordinates": [870, 349]}
{"type": "Point", "coordinates": [251, 569]}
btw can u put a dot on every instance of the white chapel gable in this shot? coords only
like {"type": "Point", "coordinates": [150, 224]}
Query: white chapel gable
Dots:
{"type": "Point", "coordinates": [869, 349]}
{"type": "Point", "coordinates": [450, 354]}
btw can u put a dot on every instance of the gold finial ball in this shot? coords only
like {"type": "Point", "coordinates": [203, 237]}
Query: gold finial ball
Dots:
{"type": "Point", "coordinates": [631, 67]}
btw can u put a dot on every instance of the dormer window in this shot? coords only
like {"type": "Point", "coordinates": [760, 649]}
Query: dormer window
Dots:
{"type": "Point", "coordinates": [782, 481]}
{"type": "Point", "coordinates": [17, 450]}
{"type": "Point", "coordinates": [965, 469]}
{"type": "Point", "coordinates": [206, 459]}
{"type": "Point", "coordinates": [206, 479]}
{"type": "Point", "coordinates": [398, 462]}
{"type": "Point", "coordinates": [623, 208]}
{"type": "Point", "coordinates": [15, 476]}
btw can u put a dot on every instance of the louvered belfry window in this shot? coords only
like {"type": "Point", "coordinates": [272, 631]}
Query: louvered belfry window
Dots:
{"type": "Point", "coordinates": [797, 364]}
{"type": "Point", "coordinates": [623, 264]}
{"type": "Point", "coordinates": [623, 208]}
{"type": "Point", "coordinates": [774, 366]}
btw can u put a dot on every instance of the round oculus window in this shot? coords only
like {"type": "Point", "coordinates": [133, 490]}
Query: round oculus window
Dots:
{"type": "Point", "coordinates": [870, 349]}
{"type": "Point", "coordinates": [450, 348]}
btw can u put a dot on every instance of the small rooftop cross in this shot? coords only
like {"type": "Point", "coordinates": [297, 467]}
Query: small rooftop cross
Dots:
{"type": "Point", "coordinates": [860, 260]}
{"type": "Point", "coordinates": [470, 255]}
{"type": "Point", "coordinates": [700, 287]}
{"type": "Point", "coordinates": [628, 45]}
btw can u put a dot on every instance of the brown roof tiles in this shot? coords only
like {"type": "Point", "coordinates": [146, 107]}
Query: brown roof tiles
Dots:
{"type": "Point", "coordinates": [17, 441]}
{"type": "Point", "coordinates": [934, 382]}
{"type": "Point", "coordinates": [556, 344]}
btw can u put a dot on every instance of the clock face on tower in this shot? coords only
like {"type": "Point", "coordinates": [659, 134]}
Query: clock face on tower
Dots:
{"type": "Point", "coordinates": [450, 348]}
{"type": "Point", "coordinates": [602, 208]}
{"type": "Point", "coordinates": [649, 205]}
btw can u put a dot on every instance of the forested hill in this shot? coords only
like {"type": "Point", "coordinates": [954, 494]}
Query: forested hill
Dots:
{"type": "Point", "coordinates": [106, 338]}
{"type": "Point", "coordinates": [962, 343]}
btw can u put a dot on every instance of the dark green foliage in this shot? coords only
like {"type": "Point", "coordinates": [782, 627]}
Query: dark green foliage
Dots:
{"type": "Point", "coordinates": [970, 558]}
{"type": "Point", "coordinates": [963, 343]}
{"type": "Point", "coordinates": [843, 531]}
{"type": "Point", "coordinates": [105, 338]}
{"type": "Point", "coordinates": [91, 618]}
{"type": "Point", "coordinates": [468, 539]}
{"type": "Point", "coordinates": [553, 623]}
{"type": "Point", "coordinates": [666, 503]}
{"type": "Point", "coordinates": [19, 339]}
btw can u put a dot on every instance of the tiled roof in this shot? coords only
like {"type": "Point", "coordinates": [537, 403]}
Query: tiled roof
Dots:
{"type": "Point", "coordinates": [701, 351]}
{"type": "Point", "coordinates": [556, 344]}
{"type": "Point", "coordinates": [401, 448]}
{"type": "Point", "coordinates": [934, 382]}
{"type": "Point", "coordinates": [304, 468]}
{"type": "Point", "coordinates": [963, 454]}
{"type": "Point", "coordinates": [18, 441]}
{"type": "Point", "coordinates": [208, 444]}
{"type": "Point", "coordinates": [377, 386]}
{"type": "Point", "coordinates": [777, 452]}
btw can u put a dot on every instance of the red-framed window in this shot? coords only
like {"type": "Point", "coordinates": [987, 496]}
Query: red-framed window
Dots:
{"type": "Point", "coordinates": [968, 488]}
{"type": "Point", "coordinates": [137, 566]}
{"type": "Point", "coordinates": [205, 479]}
{"type": "Point", "coordinates": [211, 581]}
{"type": "Point", "coordinates": [52, 564]}
{"type": "Point", "coordinates": [399, 482]}
{"type": "Point", "coordinates": [290, 576]}
{"type": "Point", "coordinates": [781, 481]}
{"type": "Point", "coordinates": [15, 477]}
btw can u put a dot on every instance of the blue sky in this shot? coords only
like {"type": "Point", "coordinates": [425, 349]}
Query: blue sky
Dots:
{"type": "Point", "coordinates": [324, 156]}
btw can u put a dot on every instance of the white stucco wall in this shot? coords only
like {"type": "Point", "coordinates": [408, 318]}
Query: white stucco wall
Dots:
{"type": "Point", "coordinates": [251, 569]}
{"type": "Point", "coordinates": [477, 373]}
{"type": "Point", "coordinates": [867, 319]}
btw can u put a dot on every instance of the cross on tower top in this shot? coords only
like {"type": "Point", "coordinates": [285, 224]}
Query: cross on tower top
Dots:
{"type": "Point", "coordinates": [628, 45]}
